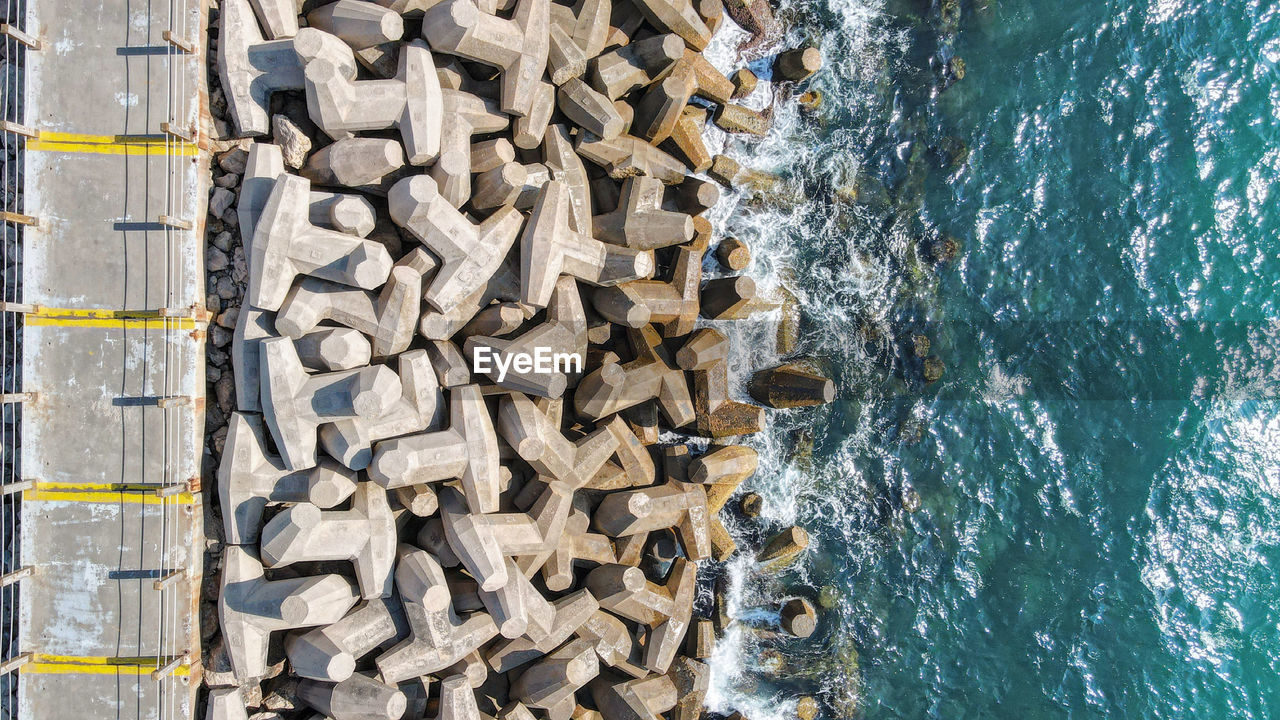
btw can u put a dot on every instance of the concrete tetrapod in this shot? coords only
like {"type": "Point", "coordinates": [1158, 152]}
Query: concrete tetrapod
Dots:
{"type": "Point", "coordinates": [421, 407]}
{"type": "Point", "coordinates": [673, 305]}
{"type": "Point", "coordinates": [469, 254]}
{"type": "Point", "coordinates": [365, 535]}
{"type": "Point", "coordinates": [359, 697]}
{"type": "Point", "coordinates": [557, 340]}
{"type": "Point", "coordinates": [330, 653]}
{"type": "Point", "coordinates": [551, 682]}
{"type": "Point", "coordinates": [253, 607]}
{"type": "Point", "coordinates": [549, 248]}
{"type": "Point", "coordinates": [467, 451]}
{"type": "Point", "coordinates": [286, 244]}
{"type": "Point", "coordinates": [612, 387]}
{"type": "Point", "coordinates": [389, 318]}
{"type": "Point", "coordinates": [438, 638]}
{"type": "Point", "coordinates": [296, 404]}
{"type": "Point", "coordinates": [341, 105]}
{"type": "Point", "coordinates": [517, 46]}
{"type": "Point", "coordinates": [320, 350]}
{"type": "Point", "coordinates": [249, 478]}
{"type": "Point", "coordinates": [540, 443]}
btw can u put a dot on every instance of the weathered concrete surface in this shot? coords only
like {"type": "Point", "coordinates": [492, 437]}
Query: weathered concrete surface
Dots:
{"type": "Point", "coordinates": [97, 442]}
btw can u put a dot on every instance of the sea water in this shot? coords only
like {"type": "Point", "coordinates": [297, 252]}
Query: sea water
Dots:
{"type": "Point", "coordinates": [1081, 517]}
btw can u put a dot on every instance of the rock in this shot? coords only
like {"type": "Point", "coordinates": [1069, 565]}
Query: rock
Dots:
{"type": "Point", "coordinates": [810, 100]}
{"type": "Point", "coordinates": [228, 318]}
{"type": "Point", "coordinates": [227, 180]}
{"type": "Point", "coordinates": [233, 160]}
{"type": "Point", "coordinates": [215, 260]}
{"type": "Point", "coordinates": [220, 200]}
{"type": "Point", "coordinates": [294, 143]}
{"type": "Point", "coordinates": [933, 369]}
{"type": "Point", "coordinates": [920, 345]}
{"type": "Point", "coordinates": [222, 241]}
{"type": "Point", "coordinates": [219, 336]}
{"type": "Point", "coordinates": [751, 505]}
{"type": "Point", "coordinates": [807, 708]}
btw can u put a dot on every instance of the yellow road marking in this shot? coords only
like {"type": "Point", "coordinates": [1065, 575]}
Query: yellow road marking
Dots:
{"type": "Point", "coordinates": [143, 319]}
{"type": "Point", "coordinates": [88, 665]}
{"type": "Point", "coordinates": [103, 493]}
{"type": "Point", "coordinates": [111, 144]}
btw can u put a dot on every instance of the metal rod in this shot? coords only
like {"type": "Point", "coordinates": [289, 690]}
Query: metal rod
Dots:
{"type": "Point", "coordinates": [171, 490]}
{"type": "Point", "coordinates": [174, 222]}
{"type": "Point", "coordinates": [174, 401]}
{"type": "Point", "coordinates": [10, 578]}
{"type": "Point", "coordinates": [14, 663]}
{"type": "Point", "coordinates": [183, 45]}
{"type": "Point", "coordinates": [19, 308]}
{"type": "Point", "coordinates": [30, 41]}
{"type": "Point", "coordinates": [15, 398]}
{"type": "Point", "coordinates": [177, 132]}
{"type": "Point", "coordinates": [169, 579]}
{"type": "Point", "coordinates": [169, 667]}
{"type": "Point", "coordinates": [17, 487]}
{"type": "Point", "coordinates": [18, 129]}
{"type": "Point", "coordinates": [19, 218]}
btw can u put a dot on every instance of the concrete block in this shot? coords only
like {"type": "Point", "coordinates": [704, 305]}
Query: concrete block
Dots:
{"type": "Point", "coordinates": [330, 653]}
{"type": "Point", "coordinates": [791, 385]}
{"type": "Point", "coordinates": [717, 415]}
{"type": "Point", "coordinates": [673, 305]}
{"type": "Point", "coordinates": [783, 548]}
{"type": "Point", "coordinates": [333, 349]}
{"type": "Point", "coordinates": [679, 17]}
{"type": "Point", "coordinates": [678, 505]}
{"type": "Point", "coordinates": [341, 105]}
{"type": "Point", "coordinates": [613, 642]}
{"type": "Point", "coordinates": [565, 166]}
{"type": "Point", "coordinates": [368, 164]}
{"type": "Point", "coordinates": [626, 156]}
{"type": "Point", "coordinates": [438, 637]}
{"type": "Point", "coordinates": [351, 214]}
{"type": "Point", "coordinates": [637, 699]}
{"type": "Point", "coordinates": [571, 612]}
{"type": "Point", "coordinates": [686, 137]}
{"type": "Point", "coordinates": [575, 546]}
{"type": "Point", "coordinates": [539, 442]}
{"type": "Point", "coordinates": [798, 617]}
{"type": "Point", "coordinates": [590, 110]}
{"type": "Point", "coordinates": [359, 24]}
{"type": "Point", "coordinates": [613, 387]}
{"type": "Point", "coordinates": [561, 336]}
{"type": "Point", "coordinates": [482, 542]}
{"type": "Point", "coordinates": [528, 131]}
{"type": "Point", "coordinates": [249, 478]}
{"type": "Point", "coordinates": [252, 607]}
{"type": "Point", "coordinates": [365, 535]}
{"type": "Point", "coordinates": [798, 64]}
{"type": "Point", "coordinates": [469, 254]}
{"type": "Point", "coordinates": [389, 318]}
{"type": "Point", "coordinates": [549, 248]}
{"type": "Point", "coordinates": [467, 451]}
{"type": "Point", "coordinates": [359, 697]}
{"type": "Point", "coordinates": [640, 221]}
{"type": "Point", "coordinates": [565, 59]}
{"type": "Point", "coordinates": [586, 23]}
{"type": "Point", "coordinates": [286, 245]}
{"type": "Point", "coordinates": [635, 65]}
{"type": "Point", "coordinates": [252, 68]}
{"type": "Point", "coordinates": [420, 407]}
{"type": "Point", "coordinates": [296, 404]}
{"type": "Point", "coordinates": [279, 18]}
{"type": "Point", "coordinates": [733, 254]}
{"type": "Point", "coordinates": [554, 679]}
{"type": "Point", "coordinates": [739, 119]}
{"type": "Point", "coordinates": [692, 680]}
{"type": "Point", "coordinates": [449, 363]}
{"type": "Point", "coordinates": [518, 47]}
{"type": "Point", "coordinates": [662, 103]}
{"type": "Point", "coordinates": [468, 115]}
{"type": "Point", "coordinates": [226, 703]}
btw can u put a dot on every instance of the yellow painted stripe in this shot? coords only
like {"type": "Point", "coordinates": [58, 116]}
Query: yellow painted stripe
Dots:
{"type": "Point", "coordinates": [143, 319]}
{"type": "Point", "coordinates": [103, 493]}
{"type": "Point", "coordinates": [88, 665]}
{"type": "Point", "coordinates": [111, 144]}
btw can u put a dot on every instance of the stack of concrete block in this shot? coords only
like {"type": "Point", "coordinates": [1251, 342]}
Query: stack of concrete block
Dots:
{"type": "Point", "coordinates": [491, 179]}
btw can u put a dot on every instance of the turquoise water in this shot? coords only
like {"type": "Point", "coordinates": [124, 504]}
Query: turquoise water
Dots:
{"type": "Point", "coordinates": [1097, 473]}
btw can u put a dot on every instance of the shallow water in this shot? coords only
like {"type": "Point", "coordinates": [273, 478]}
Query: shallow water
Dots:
{"type": "Point", "coordinates": [1098, 470]}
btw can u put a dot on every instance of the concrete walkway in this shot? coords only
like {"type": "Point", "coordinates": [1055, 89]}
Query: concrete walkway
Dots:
{"type": "Point", "coordinates": [114, 353]}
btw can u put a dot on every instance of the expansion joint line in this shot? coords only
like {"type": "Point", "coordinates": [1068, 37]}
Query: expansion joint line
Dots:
{"type": "Point", "coordinates": [157, 667]}
{"type": "Point", "coordinates": [190, 318]}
